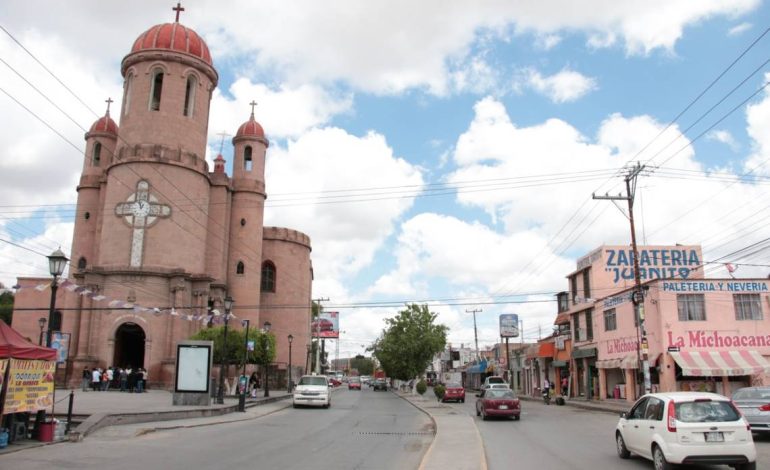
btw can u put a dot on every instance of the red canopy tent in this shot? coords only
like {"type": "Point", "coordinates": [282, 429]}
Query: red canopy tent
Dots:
{"type": "Point", "coordinates": [14, 345]}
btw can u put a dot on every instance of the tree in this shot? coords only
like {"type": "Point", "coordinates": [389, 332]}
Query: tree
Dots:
{"type": "Point", "coordinates": [236, 345]}
{"type": "Point", "coordinates": [6, 305]}
{"type": "Point", "coordinates": [409, 342]}
{"type": "Point", "coordinates": [364, 365]}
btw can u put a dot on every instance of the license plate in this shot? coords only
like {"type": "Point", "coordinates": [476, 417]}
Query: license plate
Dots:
{"type": "Point", "coordinates": [715, 437]}
{"type": "Point", "coordinates": [503, 407]}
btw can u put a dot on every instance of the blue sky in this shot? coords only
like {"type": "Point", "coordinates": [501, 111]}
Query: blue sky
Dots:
{"type": "Point", "coordinates": [396, 100]}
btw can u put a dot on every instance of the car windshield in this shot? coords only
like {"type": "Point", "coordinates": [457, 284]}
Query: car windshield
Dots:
{"type": "Point", "coordinates": [495, 380]}
{"type": "Point", "coordinates": [702, 411]}
{"type": "Point", "coordinates": [312, 381]}
{"type": "Point", "coordinates": [453, 385]}
{"type": "Point", "coordinates": [752, 394]}
{"type": "Point", "coordinates": [355, 380]}
{"type": "Point", "coordinates": [497, 393]}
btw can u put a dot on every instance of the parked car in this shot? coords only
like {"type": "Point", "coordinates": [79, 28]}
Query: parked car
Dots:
{"type": "Point", "coordinates": [454, 392]}
{"type": "Point", "coordinates": [354, 383]}
{"type": "Point", "coordinates": [312, 390]}
{"type": "Point", "coordinates": [754, 403]}
{"type": "Point", "coordinates": [334, 382]}
{"type": "Point", "coordinates": [686, 428]}
{"type": "Point", "coordinates": [380, 384]}
{"type": "Point", "coordinates": [493, 380]}
{"type": "Point", "coordinates": [498, 403]}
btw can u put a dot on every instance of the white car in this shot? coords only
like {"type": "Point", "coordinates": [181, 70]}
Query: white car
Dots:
{"type": "Point", "coordinates": [494, 381]}
{"type": "Point", "coordinates": [686, 428]}
{"type": "Point", "coordinates": [312, 390]}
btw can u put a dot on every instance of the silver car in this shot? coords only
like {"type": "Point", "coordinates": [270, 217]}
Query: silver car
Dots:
{"type": "Point", "coordinates": [754, 403]}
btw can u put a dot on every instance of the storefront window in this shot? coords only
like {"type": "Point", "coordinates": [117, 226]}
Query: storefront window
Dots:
{"type": "Point", "coordinates": [691, 307]}
{"type": "Point", "coordinates": [610, 321]}
{"type": "Point", "coordinates": [747, 307]}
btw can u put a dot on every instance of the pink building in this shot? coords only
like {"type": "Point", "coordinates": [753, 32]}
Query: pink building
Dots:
{"type": "Point", "coordinates": [703, 334]}
{"type": "Point", "coordinates": [162, 236]}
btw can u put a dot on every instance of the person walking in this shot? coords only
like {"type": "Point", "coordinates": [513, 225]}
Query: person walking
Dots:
{"type": "Point", "coordinates": [86, 381]}
{"type": "Point", "coordinates": [96, 378]}
{"type": "Point", "coordinates": [131, 380]}
{"type": "Point", "coordinates": [143, 381]}
{"type": "Point", "coordinates": [564, 385]}
{"type": "Point", "coordinates": [253, 387]}
{"type": "Point", "coordinates": [123, 379]}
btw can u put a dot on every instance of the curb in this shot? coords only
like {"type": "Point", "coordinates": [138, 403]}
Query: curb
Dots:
{"type": "Point", "coordinates": [584, 406]}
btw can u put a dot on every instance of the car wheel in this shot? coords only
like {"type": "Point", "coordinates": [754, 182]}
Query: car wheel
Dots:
{"type": "Point", "coordinates": [478, 413]}
{"type": "Point", "coordinates": [659, 460]}
{"type": "Point", "coordinates": [295, 405]}
{"type": "Point", "coordinates": [462, 400]}
{"type": "Point", "coordinates": [620, 445]}
{"type": "Point", "coordinates": [516, 417]}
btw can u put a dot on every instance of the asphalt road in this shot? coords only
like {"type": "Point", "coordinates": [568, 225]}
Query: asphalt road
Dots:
{"type": "Point", "coordinates": [362, 430]}
{"type": "Point", "coordinates": [563, 437]}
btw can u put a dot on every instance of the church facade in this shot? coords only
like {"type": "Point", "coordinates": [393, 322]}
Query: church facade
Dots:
{"type": "Point", "coordinates": [160, 239]}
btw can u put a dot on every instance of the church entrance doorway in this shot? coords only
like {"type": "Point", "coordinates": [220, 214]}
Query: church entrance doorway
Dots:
{"type": "Point", "coordinates": [129, 346]}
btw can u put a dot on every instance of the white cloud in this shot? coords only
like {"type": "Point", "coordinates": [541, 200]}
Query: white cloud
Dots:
{"type": "Point", "coordinates": [548, 41]}
{"type": "Point", "coordinates": [561, 87]}
{"type": "Point", "coordinates": [739, 29]}
{"type": "Point", "coordinates": [723, 136]}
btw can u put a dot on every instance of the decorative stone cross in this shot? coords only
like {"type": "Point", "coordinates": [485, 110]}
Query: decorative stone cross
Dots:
{"type": "Point", "coordinates": [178, 9]}
{"type": "Point", "coordinates": [141, 211]}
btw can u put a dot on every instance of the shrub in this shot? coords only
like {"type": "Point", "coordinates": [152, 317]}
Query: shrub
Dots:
{"type": "Point", "coordinates": [422, 387]}
{"type": "Point", "coordinates": [439, 390]}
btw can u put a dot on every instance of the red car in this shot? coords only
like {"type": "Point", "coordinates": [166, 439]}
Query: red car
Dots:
{"type": "Point", "coordinates": [354, 383]}
{"type": "Point", "coordinates": [498, 402]}
{"type": "Point", "coordinates": [454, 392]}
{"type": "Point", "coordinates": [322, 324]}
{"type": "Point", "coordinates": [334, 382]}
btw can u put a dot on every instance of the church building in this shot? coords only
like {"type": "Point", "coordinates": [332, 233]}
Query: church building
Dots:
{"type": "Point", "coordinates": [160, 239]}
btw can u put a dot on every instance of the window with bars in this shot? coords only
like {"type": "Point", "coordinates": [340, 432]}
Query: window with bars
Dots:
{"type": "Point", "coordinates": [691, 307]}
{"type": "Point", "coordinates": [590, 324]}
{"type": "Point", "coordinates": [747, 307]}
{"type": "Point", "coordinates": [610, 320]}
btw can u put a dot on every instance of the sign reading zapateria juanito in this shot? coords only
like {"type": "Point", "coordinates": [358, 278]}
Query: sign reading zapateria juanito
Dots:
{"type": "Point", "coordinates": [654, 263]}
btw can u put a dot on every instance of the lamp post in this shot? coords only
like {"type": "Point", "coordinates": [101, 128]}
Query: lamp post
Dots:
{"type": "Point", "coordinates": [56, 263]}
{"type": "Point", "coordinates": [288, 371]}
{"type": "Point", "coordinates": [266, 330]}
{"type": "Point", "coordinates": [242, 397]}
{"type": "Point", "coordinates": [223, 365]}
{"type": "Point", "coordinates": [41, 321]}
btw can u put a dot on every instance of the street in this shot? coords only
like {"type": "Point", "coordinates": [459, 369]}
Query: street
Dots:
{"type": "Point", "coordinates": [562, 437]}
{"type": "Point", "coordinates": [363, 430]}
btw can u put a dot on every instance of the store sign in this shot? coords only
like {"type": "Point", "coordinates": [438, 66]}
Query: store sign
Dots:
{"type": "Point", "coordinates": [326, 325]}
{"type": "Point", "coordinates": [622, 345]}
{"type": "Point", "coordinates": [658, 263]}
{"type": "Point", "coordinates": [715, 339]}
{"type": "Point", "coordinates": [30, 386]}
{"type": "Point", "coordinates": [715, 286]}
{"type": "Point", "coordinates": [509, 325]}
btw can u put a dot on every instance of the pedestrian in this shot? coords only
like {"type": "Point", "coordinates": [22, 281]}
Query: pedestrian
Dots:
{"type": "Point", "coordinates": [110, 377]}
{"type": "Point", "coordinates": [123, 379]}
{"type": "Point", "coordinates": [131, 380]}
{"type": "Point", "coordinates": [96, 378]}
{"type": "Point", "coordinates": [86, 379]}
{"type": "Point", "coordinates": [253, 380]}
{"type": "Point", "coordinates": [105, 380]}
{"type": "Point", "coordinates": [564, 385]}
{"type": "Point", "coordinates": [139, 380]}
{"type": "Point", "coordinates": [143, 388]}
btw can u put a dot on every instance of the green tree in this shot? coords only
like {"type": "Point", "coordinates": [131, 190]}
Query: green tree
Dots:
{"type": "Point", "coordinates": [364, 365]}
{"type": "Point", "coordinates": [264, 345]}
{"type": "Point", "coordinates": [6, 305]}
{"type": "Point", "coordinates": [409, 342]}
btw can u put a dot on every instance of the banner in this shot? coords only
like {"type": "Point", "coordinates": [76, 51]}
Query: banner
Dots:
{"type": "Point", "coordinates": [327, 325]}
{"type": "Point", "coordinates": [30, 386]}
{"type": "Point", "coordinates": [61, 343]}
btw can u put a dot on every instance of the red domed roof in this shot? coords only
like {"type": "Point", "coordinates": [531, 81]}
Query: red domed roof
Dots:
{"type": "Point", "coordinates": [250, 128]}
{"type": "Point", "coordinates": [175, 37]}
{"type": "Point", "coordinates": [105, 124]}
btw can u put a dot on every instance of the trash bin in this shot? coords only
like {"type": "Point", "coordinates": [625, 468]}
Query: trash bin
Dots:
{"type": "Point", "coordinates": [3, 438]}
{"type": "Point", "coordinates": [46, 431]}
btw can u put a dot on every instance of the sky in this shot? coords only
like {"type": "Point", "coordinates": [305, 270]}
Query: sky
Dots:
{"type": "Point", "coordinates": [439, 152]}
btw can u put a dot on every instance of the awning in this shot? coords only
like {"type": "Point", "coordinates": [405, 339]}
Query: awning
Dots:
{"type": "Point", "coordinates": [585, 352]}
{"type": "Point", "coordinates": [559, 363]}
{"type": "Point", "coordinates": [609, 363]}
{"type": "Point", "coordinates": [626, 362]}
{"type": "Point", "coordinates": [479, 368]}
{"type": "Point", "coordinates": [719, 363]}
{"type": "Point", "coordinates": [546, 350]}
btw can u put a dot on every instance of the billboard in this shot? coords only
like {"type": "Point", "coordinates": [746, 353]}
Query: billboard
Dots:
{"type": "Point", "coordinates": [326, 325]}
{"type": "Point", "coordinates": [509, 325]}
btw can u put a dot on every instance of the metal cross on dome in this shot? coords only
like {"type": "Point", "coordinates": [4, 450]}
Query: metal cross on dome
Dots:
{"type": "Point", "coordinates": [141, 211]}
{"type": "Point", "coordinates": [178, 9]}
{"type": "Point", "coordinates": [253, 103]}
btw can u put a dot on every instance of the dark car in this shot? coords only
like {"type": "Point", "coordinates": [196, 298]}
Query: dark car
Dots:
{"type": "Point", "coordinates": [454, 392]}
{"type": "Point", "coordinates": [380, 384]}
{"type": "Point", "coordinates": [754, 403]}
{"type": "Point", "coordinates": [498, 402]}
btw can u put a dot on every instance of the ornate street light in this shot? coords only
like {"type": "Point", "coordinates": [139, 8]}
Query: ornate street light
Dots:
{"type": "Point", "coordinates": [242, 397]}
{"type": "Point", "coordinates": [266, 330]}
{"type": "Point", "coordinates": [223, 365]}
{"type": "Point", "coordinates": [288, 371]}
{"type": "Point", "coordinates": [41, 321]}
{"type": "Point", "coordinates": [56, 264]}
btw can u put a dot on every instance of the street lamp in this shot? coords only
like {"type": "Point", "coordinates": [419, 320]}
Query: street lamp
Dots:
{"type": "Point", "coordinates": [56, 263]}
{"type": "Point", "coordinates": [41, 321]}
{"type": "Point", "coordinates": [266, 330]}
{"type": "Point", "coordinates": [288, 376]}
{"type": "Point", "coordinates": [223, 365]}
{"type": "Point", "coordinates": [242, 398]}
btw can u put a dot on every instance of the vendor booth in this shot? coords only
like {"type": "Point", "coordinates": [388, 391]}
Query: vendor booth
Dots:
{"type": "Point", "coordinates": [27, 384]}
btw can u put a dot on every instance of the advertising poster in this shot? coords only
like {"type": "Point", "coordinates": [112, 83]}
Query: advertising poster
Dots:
{"type": "Point", "coordinates": [509, 325]}
{"type": "Point", "coordinates": [193, 367]}
{"type": "Point", "coordinates": [327, 325]}
{"type": "Point", "coordinates": [30, 386]}
{"type": "Point", "coordinates": [61, 343]}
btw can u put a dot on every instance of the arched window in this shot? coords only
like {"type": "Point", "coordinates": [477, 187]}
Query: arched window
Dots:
{"type": "Point", "coordinates": [127, 92]}
{"type": "Point", "coordinates": [268, 277]}
{"type": "Point", "coordinates": [82, 263]}
{"type": "Point", "coordinates": [97, 155]}
{"type": "Point", "coordinates": [247, 162]}
{"type": "Point", "coordinates": [189, 96]}
{"type": "Point", "coordinates": [239, 268]}
{"type": "Point", "coordinates": [157, 89]}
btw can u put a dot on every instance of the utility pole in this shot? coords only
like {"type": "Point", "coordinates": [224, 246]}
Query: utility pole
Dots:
{"type": "Point", "coordinates": [475, 333]}
{"type": "Point", "coordinates": [318, 333]}
{"type": "Point", "coordinates": [642, 350]}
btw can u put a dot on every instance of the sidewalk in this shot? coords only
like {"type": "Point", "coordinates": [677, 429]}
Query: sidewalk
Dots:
{"type": "Point", "coordinates": [606, 406]}
{"type": "Point", "coordinates": [457, 443]}
{"type": "Point", "coordinates": [109, 409]}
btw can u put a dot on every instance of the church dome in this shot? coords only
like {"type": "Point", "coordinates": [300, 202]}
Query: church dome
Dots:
{"type": "Point", "coordinates": [250, 128]}
{"type": "Point", "coordinates": [174, 37]}
{"type": "Point", "coordinates": [104, 124]}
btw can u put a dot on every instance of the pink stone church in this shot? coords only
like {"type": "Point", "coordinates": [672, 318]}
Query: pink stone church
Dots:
{"type": "Point", "coordinates": [158, 231]}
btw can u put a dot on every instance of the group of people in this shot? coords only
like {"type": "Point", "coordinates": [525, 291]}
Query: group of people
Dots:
{"type": "Point", "coordinates": [126, 379]}
{"type": "Point", "coordinates": [548, 385]}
